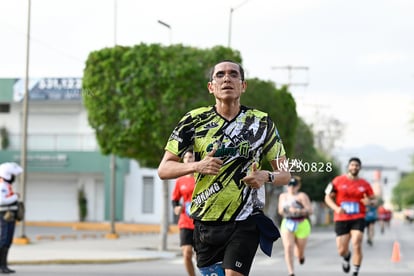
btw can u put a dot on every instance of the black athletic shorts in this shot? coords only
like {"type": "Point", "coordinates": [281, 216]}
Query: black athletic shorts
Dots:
{"type": "Point", "coordinates": [345, 226]}
{"type": "Point", "coordinates": [368, 222]}
{"type": "Point", "coordinates": [186, 236]}
{"type": "Point", "coordinates": [234, 244]}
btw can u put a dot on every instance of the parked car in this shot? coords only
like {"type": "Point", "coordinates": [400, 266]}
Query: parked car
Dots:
{"type": "Point", "coordinates": [409, 214]}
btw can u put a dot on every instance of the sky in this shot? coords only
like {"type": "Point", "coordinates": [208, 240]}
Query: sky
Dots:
{"type": "Point", "coordinates": [351, 60]}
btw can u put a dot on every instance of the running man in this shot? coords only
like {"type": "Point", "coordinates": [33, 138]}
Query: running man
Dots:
{"type": "Point", "coordinates": [230, 143]}
{"type": "Point", "coordinates": [347, 195]}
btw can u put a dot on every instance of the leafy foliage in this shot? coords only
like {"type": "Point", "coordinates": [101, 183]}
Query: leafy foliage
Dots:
{"type": "Point", "coordinates": [82, 204]}
{"type": "Point", "coordinates": [4, 138]}
{"type": "Point", "coordinates": [136, 95]}
{"type": "Point", "coordinates": [278, 103]}
{"type": "Point", "coordinates": [403, 193]}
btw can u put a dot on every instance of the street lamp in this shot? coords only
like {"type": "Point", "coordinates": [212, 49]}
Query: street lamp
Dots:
{"type": "Point", "coordinates": [169, 28]}
{"type": "Point", "coordinates": [231, 19]}
{"type": "Point", "coordinates": [165, 193]}
{"type": "Point", "coordinates": [115, 21]}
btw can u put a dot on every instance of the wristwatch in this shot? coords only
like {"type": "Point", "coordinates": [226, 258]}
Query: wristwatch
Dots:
{"type": "Point", "coordinates": [271, 178]}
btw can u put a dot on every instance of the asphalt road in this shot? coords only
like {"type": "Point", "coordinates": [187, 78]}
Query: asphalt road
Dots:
{"type": "Point", "coordinates": [321, 259]}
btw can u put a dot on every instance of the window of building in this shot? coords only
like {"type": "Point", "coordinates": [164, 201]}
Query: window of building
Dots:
{"type": "Point", "coordinates": [4, 108]}
{"type": "Point", "coordinates": [148, 195]}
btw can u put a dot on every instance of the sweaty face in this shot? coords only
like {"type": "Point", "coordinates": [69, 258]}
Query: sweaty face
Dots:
{"type": "Point", "coordinates": [353, 168]}
{"type": "Point", "coordinates": [227, 83]}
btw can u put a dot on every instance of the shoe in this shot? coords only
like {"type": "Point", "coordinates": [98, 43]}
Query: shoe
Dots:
{"type": "Point", "coordinates": [346, 267]}
{"type": "Point", "coordinates": [369, 242]}
{"type": "Point", "coordinates": [302, 260]}
{"type": "Point", "coordinates": [345, 264]}
{"type": "Point", "coordinates": [355, 274]}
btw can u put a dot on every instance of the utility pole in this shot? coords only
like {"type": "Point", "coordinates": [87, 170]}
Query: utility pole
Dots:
{"type": "Point", "coordinates": [23, 158]}
{"type": "Point", "coordinates": [112, 166]}
{"type": "Point", "coordinates": [290, 70]}
{"type": "Point", "coordinates": [232, 9]}
{"type": "Point", "coordinates": [168, 26]}
{"type": "Point", "coordinates": [165, 225]}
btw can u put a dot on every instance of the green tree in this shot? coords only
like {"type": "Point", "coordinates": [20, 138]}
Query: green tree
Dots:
{"type": "Point", "coordinates": [136, 95]}
{"type": "Point", "coordinates": [278, 103]}
{"type": "Point", "coordinates": [403, 192]}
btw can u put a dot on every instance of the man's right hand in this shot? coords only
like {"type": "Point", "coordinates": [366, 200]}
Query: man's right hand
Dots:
{"type": "Point", "coordinates": [339, 210]}
{"type": "Point", "coordinates": [210, 165]}
{"type": "Point", "coordinates": [177, 209]}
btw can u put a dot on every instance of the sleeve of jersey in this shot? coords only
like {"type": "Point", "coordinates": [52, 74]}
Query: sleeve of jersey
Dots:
{"type": "Point", "coordinates": [175, 196]}
{"type": "Point", "coordinates": [330, 188]}
{"type": "Point", "coordinates": [273, 147]}
{"type": "Point", "coordinates": [182, 136]}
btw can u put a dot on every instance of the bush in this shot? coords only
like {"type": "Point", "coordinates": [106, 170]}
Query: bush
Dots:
{"type": "Point", "coordinates": [83, 204]}
{"type": "Point", "coordinates": [4, 137]}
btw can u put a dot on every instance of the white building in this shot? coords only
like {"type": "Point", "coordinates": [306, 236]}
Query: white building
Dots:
{"type": "Point", "coordinates": [63, 157]}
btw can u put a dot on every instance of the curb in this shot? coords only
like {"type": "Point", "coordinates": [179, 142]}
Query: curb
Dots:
{"type": "Point", "coordinates": [104, 226]}
{"type": "Point", "coordinates": [97, 229]}
{"type": "Point", "coordinates": [84, 261]}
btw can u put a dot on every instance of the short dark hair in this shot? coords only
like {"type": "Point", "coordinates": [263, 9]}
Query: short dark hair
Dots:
{"type": "Point", "coordinates": [356, 159]}
{"type": "Point", "coordinates": [241, 70]}
{"type": "Point", "coordinates": [295, 180]}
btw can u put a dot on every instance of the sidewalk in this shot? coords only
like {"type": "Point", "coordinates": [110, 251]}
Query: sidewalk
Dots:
{"type": "Point", "coordinates": [93, 247]}
{"type": "Point", "coordinates": [58, 243]}
{"type": "Point", "coordinates": [98, 250]}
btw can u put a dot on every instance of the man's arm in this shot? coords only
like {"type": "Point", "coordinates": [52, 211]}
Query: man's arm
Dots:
{"type": "Point", "coordinates": [280, 171]}
{"type": "Point", "coordinates": [369, 200]}
{"type": "Point", "coordinates": [329, 200]}
{"type": "Point", "coordinates": [171, 167]}
{"type": "Point", "coordinates": [307, 204]}
{"type": "Point", "coordinates": [330, 194]}
{"type": "Point", "coordinates": [280, 175]}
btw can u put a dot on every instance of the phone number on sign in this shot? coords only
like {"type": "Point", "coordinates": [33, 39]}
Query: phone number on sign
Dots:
{"type": "Point", "coordinates": [294, 165]}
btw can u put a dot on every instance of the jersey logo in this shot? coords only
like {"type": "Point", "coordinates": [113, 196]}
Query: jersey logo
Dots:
{"type": "Point", "coordinates": [242, 149]}
{"type": "Point", "coordinates": [204, 195]}
{"type": "Point", "coordinates": [211, 125]}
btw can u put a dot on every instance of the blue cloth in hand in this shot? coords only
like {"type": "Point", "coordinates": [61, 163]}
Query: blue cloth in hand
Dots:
{"type": "Point", "coordinates": [269, 232]}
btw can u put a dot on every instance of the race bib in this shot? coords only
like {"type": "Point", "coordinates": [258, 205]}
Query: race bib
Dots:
{"type": "Point", "coordinates": [350, 207]}
{"type": "Point", "coordinates": [187, 208]}
{"type": "Point", "coordinates": [291, 225]}
{"type": "Point", "coordinates": [213, 270]}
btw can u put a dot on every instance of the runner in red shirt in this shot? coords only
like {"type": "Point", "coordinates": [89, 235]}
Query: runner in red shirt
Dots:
{"type": "Point", "coordinates": [183, 192]}
{"type": "Point", "coordinates": [384, 216]}
{"type": "Point", "coordinates": [347, 195]}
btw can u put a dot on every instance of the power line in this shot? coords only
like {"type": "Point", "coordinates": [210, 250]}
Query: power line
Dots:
{"type": "Point", "coordinates": [290, 70]}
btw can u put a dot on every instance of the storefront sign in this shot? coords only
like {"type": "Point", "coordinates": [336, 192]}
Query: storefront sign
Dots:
{"type": "Point", "coordinates": [49, 89]}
